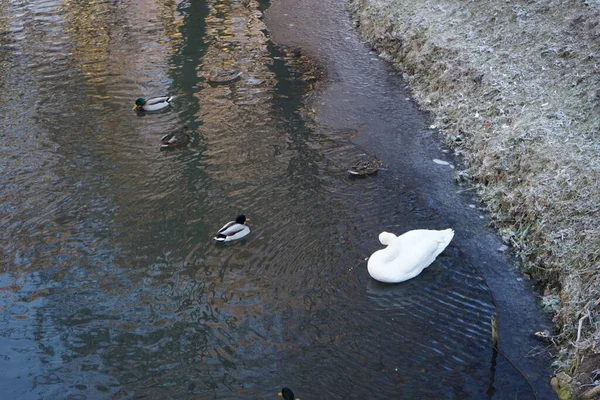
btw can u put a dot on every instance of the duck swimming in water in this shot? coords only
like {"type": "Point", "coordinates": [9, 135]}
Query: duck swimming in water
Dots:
{"type": "Point", "coordinates": [223, 76]}
{"type": "Point", "coordinates": [153, 103]}
{"type": "Point", "coordinates": [178, 137]}
{"type": "Point", "coordinates": [365, 168]}
{"type": "Point", "coordinates": [407, 255]}
{"type": "Point", "coordinates": [233, 230]}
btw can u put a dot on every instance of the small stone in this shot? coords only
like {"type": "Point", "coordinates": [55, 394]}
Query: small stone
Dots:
{"type": "Point", "coordinates": [502, 248]}
{"type": "Point", "coordinates": [440, 162]}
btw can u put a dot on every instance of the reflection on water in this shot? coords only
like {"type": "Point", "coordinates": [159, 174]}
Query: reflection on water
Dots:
{"type": "Point", "coordinates": [111, 286]}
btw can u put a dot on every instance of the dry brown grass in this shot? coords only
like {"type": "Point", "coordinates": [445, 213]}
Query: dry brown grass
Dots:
{"type": "Point", "coordinates": [515, 87]}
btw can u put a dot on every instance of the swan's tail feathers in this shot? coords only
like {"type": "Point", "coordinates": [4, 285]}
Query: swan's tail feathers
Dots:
{"type": "Point", "coordinates": [446, 238]}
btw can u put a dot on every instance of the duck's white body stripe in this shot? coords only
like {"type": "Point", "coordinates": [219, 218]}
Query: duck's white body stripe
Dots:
{"type": "Point", "coordinates": [232, 231]}
{"type": "Point", "coordinates": [157, 103]}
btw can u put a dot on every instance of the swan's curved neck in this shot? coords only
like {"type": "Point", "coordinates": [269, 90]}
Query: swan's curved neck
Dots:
{"type": "Point", "coordinates": [391, 252]}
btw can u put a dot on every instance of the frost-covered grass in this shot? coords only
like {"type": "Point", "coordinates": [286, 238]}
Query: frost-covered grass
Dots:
{"type": "Point", "coordinates": [515, 87]}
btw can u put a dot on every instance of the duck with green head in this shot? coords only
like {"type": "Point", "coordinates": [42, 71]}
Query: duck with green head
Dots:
{"type": "Point", "coordinates": [153, 103]}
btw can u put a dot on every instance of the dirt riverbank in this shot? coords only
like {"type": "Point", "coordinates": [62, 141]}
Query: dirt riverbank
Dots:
{"type": "Point", "coordinates": [514, 86]}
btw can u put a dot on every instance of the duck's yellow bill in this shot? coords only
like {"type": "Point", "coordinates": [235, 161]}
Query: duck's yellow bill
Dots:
{"type": "Point", "coordinates": [134, 107]}
{"type": "Point", "coordinates": [278, 394]}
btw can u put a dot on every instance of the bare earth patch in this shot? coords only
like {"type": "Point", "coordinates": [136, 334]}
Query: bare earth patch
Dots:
{"type": "Point", "coordinates": [515, 88]}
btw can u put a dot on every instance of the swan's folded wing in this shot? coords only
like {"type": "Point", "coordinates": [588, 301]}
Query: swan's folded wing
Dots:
{"type": "Point", "coordinates": [426, 249]}
{"type": "Point", "coordinates": [420, 255]}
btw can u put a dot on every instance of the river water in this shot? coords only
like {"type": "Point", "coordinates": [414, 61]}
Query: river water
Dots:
{"type": "Point", "coordinates": [111, 286]}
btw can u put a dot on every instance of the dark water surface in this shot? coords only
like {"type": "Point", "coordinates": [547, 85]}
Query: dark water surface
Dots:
{"type": "Point", "coordinates": [111, 286]}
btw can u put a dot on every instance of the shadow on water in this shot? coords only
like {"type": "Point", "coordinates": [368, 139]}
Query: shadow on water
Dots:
{"type": "Point", "coordinates": [112, 286]}
{"type": "Point", "coordinates": [184, 64]}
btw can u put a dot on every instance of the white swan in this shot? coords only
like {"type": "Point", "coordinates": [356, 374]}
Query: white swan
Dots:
{"type": "Point", "coordinates": [407, 255]}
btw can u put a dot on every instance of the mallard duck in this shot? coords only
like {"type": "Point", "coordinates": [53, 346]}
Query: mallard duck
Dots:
{"type": "Point", "coordinates": [223, 76]}
{"type": "Point", "coordinates": [153, 103]}
{"type": "Point", "coordinates": [178, 137]}
{"type": "Point", "coordinates": [407, 255]}
{"type": "Point", "coordinates": [287, 394]}
{"type": "Point", "coordinates": [233, 230]}
{"type": "Point", "coordinates": [365, 168]}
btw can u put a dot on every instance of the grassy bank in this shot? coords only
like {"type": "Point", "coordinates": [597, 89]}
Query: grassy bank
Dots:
{"type": "Point", "coordinates": [515, 88]}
